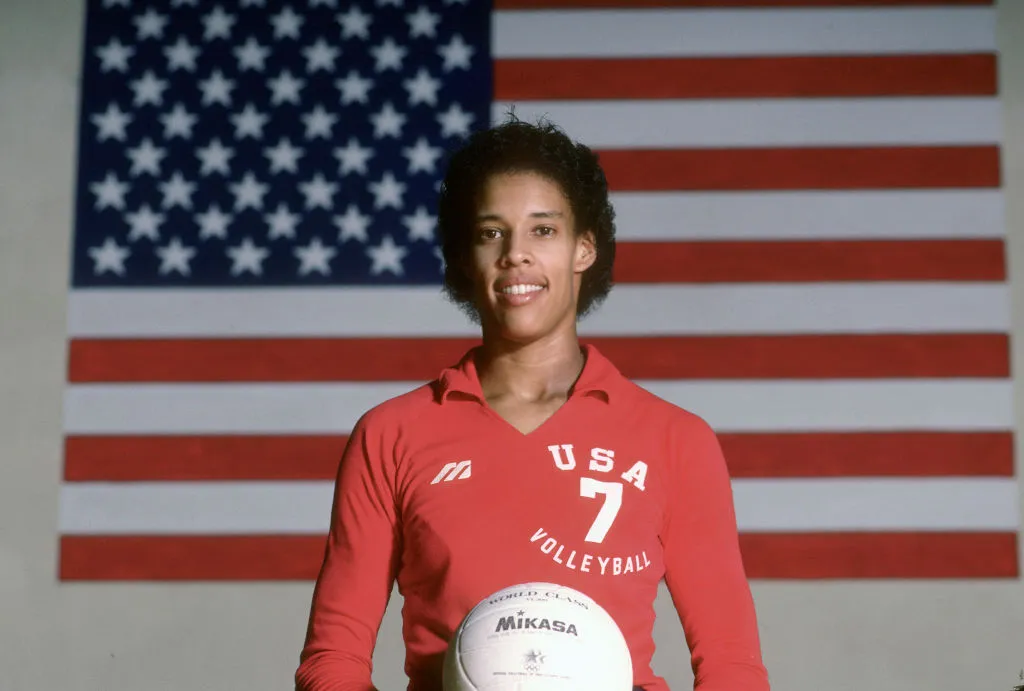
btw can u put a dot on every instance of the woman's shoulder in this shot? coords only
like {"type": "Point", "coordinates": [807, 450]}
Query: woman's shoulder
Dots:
{"type": "Point", "coordinates": [662, 409]}
{"type": "Point", "coordinates": [415, 407]}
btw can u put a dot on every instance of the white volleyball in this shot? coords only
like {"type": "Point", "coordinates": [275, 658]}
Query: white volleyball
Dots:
{"type": "Point", "coordinates": [538, 637]}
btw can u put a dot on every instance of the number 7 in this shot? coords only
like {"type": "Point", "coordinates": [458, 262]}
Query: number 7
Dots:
{"type": "Point", "coordinates": [612, 491]}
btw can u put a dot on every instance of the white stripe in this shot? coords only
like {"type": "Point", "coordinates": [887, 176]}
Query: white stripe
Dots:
{"type": "Point", "coordinates": [898, 504]}
{"type": "Point", "coordinates": [680, 32]}
{"type": "Point", "coordinates": [332, 408]}
{"type": "Point", "coordinates": [196, 508]}
{"type": "Point", "coordinates": [770, 122]}
{"type": "Point", "coordinates": [810, 215]}
{"type": "Point", "coordinates": [629, 310]}
{"type": "Point", "coordinates": [761, 505]}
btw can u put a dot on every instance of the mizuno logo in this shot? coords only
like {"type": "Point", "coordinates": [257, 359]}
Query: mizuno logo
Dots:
{"type": "Point", "coordinates": [453, 471]}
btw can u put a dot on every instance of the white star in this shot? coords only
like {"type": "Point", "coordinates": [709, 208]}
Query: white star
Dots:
{"type": "Point", "coordinates": [420, 225]}
{"type": "Point", "coordinates": [110, 257]}
{"type": "Point", "coordinates": [422, 22]}
{"type": "Point", "coordinates": [387, 192]}
{"type": "Point", "coordinates": [319, 123]}
{"type": "Point", "coordinates": [422, 156]}
{"type": "Point", "coordinates": [387, 256]}
{"type": "Point", "coordinates": [114, 3]}
{"type": "Point", "coordinates": [110, 192]}
{"type": "Point", "coordinates": [320, 56]}
{"type": "Point", "coordinates": [216, 89]}
{"type": "Point", "coordinates": [150, 25]}
{"type": "Point", "coordinates": [282, 223]}
{"type": "Point", "coordinates": [353, 225]}
{"type": "Point", "coordinates": [175, 257]}
{"type": "Point", "coordinates": [114, 56]}
{"type": "Point", "coordinates": [178, 122]}
{"type": "Point", "coordinates": [318, 192]}
{"type": "Point", "coordinates": [353, 157]}
{"type": "Point", "coordinates": [253, 3]}
{"type": "Point", "coordinates": [178, 191]}
{"type": "Point", "coordinates": [455, 2]}
{"type": "Point", "coordinates": [384, 3]}
{"type": "Point", "coordinates": [251, 55]}
{"type": "Point", "coordinates": [217, 24]}
{"type": "Point", "coordinates": [181, 3]}
{"type": "Point", "coordinates": [285, 87]}
{"type": "Point", "coordinates": [315, 257]}
{"type": "Point", "coordinates": [354, 87]}
{"type": "Point", "coordinates": [112, 124]}
{"type": "Point", "coordinates": [387, 122]}
{"type": "Point", "coordinates": [249, 123]}
{"type": "Point", "coordinates": [325, 3]}
{"type": "Point", "coordinates": [440, 258]}
{"type": "Point", "coordinates": [354, 23]}
{"type": "Point", "coordinates": [455, 121]}
{"type": "Point", "coordinates": [286, 23]}
{"type": "Point", "coordinates": [248, 193]}
{"type": "Point", "coordinates": [284, 156]}
{"type": "Point", "coordinates": [146, 158]}
{"type": "Point", "coordinates": [213, 223]}
{"type": "Point", "coordinates": [422, 88]}
{"type": "Point", "coordinates": [145, 223]}
{"type": "Point", "coordinates": [149, 89]}
{"type": "Point", "coordinates": [247, 257]}
{"type": "Point", "coordinates": [181, 56]}
{"type": "Point", "coordinates": [456, 54]}
{"type": "Point", "coordinates": [214, 158]}
{"type": "Point", "coordinates": [389, 55]}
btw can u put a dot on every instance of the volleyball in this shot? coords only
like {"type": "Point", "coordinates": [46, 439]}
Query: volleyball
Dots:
{"type": "Point", "coordinates": [538, 637]}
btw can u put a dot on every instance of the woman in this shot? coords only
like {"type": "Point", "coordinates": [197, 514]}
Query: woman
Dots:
{"type": "Point", "coordinates": [533, 458]}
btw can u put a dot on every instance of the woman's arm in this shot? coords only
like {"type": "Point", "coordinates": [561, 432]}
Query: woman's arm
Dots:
{"type": "Point", "coordinates": [704, 569]}
{"type": "Point", "coordinates": [359, 568]}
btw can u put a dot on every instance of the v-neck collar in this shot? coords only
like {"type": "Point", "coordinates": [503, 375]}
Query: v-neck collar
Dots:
{"type": "Point", "coordinates": [599, 377]}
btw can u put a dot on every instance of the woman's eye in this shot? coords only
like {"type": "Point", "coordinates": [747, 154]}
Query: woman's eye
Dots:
{"type": "Point", "coordinates": [545, 230]}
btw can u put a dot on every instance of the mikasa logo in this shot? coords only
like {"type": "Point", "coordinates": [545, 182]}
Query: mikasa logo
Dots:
{"type": "Point", "coordinates": [515, 623]}
{"type": "Point", "coordinates": [453, 471]}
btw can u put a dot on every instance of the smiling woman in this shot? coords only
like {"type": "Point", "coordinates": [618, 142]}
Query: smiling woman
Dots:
{"type": "Point", "coordinates": [624, 490]}
{"type": "Point", "coordinates": [526, 252]}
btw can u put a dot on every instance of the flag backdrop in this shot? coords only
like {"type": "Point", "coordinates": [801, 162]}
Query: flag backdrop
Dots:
{"type": "Point", "coordinates": [811, 257]}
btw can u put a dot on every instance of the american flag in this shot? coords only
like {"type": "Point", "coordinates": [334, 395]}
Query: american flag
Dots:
{"type": "Point", "coordinates": [811, 256]}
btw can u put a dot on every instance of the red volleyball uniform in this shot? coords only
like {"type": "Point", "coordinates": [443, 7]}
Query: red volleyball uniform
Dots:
{"type": "Point", "coordinates": [614, 492]}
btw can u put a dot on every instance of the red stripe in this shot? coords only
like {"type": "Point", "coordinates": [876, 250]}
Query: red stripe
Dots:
{"type": "Point", "coordinates": [629, 4]}
{"type": "Point", "coordinates": [792, 556]}
{"type": "Point", "coordinates": [188, 458]}
{"type": "Point", "coordinates": [192, 558]}
{"type": "Point", "coordinates": [885, 555]}
{"type": "Point", "coordinates": [869, 454]}
{"type": "Point", "coordinates": [807, 168]}
{"type": "Point", "coordinates": [791, 261]}
{"type": "Point", "coordinates": [215, 458]}
{"type": "Point", "coordinates": [670, 357]}
{"type": "Point", "coordinates": [760, 77]}
{"type": "Point", "coordinates": [786, 261]}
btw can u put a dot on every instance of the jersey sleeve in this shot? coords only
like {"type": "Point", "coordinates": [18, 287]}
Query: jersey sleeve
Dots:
{"type": "Point", "coordinates": [704, 569]}
{"type": "Point", "coordinates": [359, 567]}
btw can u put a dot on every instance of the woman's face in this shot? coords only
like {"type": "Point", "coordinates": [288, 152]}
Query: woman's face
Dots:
{"type": "Point", "coordinates": [527, 260]}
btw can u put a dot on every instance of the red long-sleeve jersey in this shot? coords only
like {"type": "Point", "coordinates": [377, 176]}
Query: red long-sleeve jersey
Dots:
{"type": "Point", "coordinates": [616, 491]}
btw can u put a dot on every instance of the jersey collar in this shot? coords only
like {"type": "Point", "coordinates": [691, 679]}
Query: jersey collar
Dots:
{"type": "Point", "coordinates": [599, 377]}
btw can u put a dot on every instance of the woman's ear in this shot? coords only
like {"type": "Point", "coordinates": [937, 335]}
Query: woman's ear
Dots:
{"type": "Point", "coordinates": [586, 252]}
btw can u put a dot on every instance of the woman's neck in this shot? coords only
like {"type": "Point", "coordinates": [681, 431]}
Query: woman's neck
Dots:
{"type": "Point", "coordinates": [537, 371]}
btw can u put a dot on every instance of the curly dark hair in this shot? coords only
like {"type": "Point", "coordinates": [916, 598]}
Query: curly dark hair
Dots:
{"type": "Point", "coordinates": [516, 146]}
